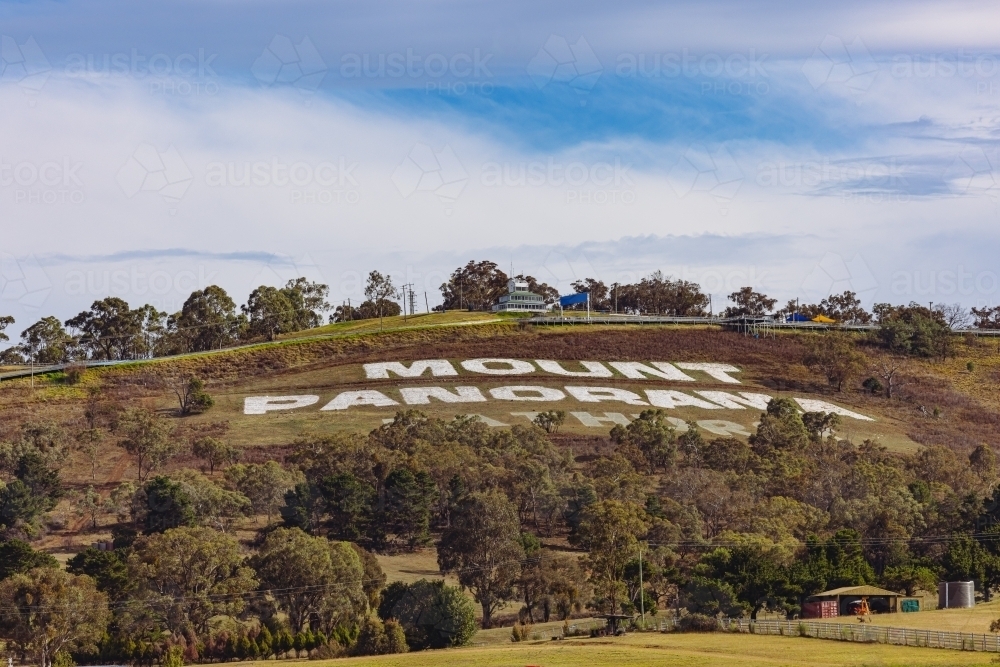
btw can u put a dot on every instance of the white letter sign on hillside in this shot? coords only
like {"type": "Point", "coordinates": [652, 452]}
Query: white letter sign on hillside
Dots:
{"type": "Point", "coordinates": [669, 399]}
{"type": "Point", "coordinates": [635, 370]}
{"type": "Point", "coordinates": [437, 367]}
{"type": "Point", "coordinates": [598, 394]}
{"type": "Point", "coordinates": [349, 399]}
{"type": "Point", "coordinates": [534, 393]}
{"type": "Point", "coordinates": [812, 405]}
{"type": "Point", "coordinates": [731, 402]}
{"type": "Point", "coordinates": [718, 371]}
{"type": "Point", "coordinates": [595, 369]}
{"type": "Point", "coordinates": [258, 405]}
{"type": "Point", "coordinates": [513, 366]}
{"type": "Point", "coordinates": [423, 395]}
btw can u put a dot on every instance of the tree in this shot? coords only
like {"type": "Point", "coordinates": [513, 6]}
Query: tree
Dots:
{"type": "Point", "coordinates": [555, 583]}
{"type": "Point", "coordinates": [550, 420]}
{"type": "Point", "coordinates": [308, 301]}
{"type": "Point", "coordinates": [598, 293]}
{"type": "Point", "coordinates": [188, 575]}
{"type": "Point", "coordinates": [984, 318]}
{"type": "Point", "coordinates": [836, 357]}
{"type": "Point", "coordinates": [652, 435]}
{"type": "Point", "coordinates": [913, 330]}
{"type": "Point", "coordinates": [483, 547]}
{"type": "Point", "coordinates": [407, 506]}
{"type": "Point", "coordinates": [433, 614]}
{"type": "Point", "coordinates": [366, 311]}
{"type": "Point", "coordinates": [757, 576]}
{"type": "Point", "coordinates": [475, 286]}
{"type": "Point", "coordinates": [657, 294]}
{"type": "Point", "coordinates": [909, 579]}
{"type": "Point", "coordinates": [212, 505]}
{"type": "Point", "coordinates": [89, 504]}
{"type": "Point", "coordinates": [349, 503]}
{"type": "Point", "coordinates": [89, 444]}
{"type": "Point", "coordinates": [46, 342]}
{"type": "Point", "coordinates": [146, 436]}
{"type": "Point", "coordinates": [269, 312]}
{"type": "Point", "coordinates": [310, 577]}
{"type": "Point", "coordinates": [192, 397]}
{"type": "Point", "coordinates": [207, 320]}
{"type": "Point", "coordinates": [374, 578]}
{"type": "Point", "coordinates": [955, 316]}
{"type": "Point", "coordinates": [47, 611]}
{"type": "Point", "coordinates": [844, 308]}
{"type": "Point", "coordinates": [5, 321]}
{"type": "Point", "coordinates": [168, 505]}
{"type": "Point", "coordinates": [378, 290]}
{"type": "Point", "coordinates": [20, 509]}
{"type": "Point", "coordinates": [780, 430]}
{"type": "Point", "coordinates": [888, 367]}
{"type": "Point", "coordinates": [376, 638]}
{"type": "Point", "coordinates": [265, 484]}
{"type": "Point", "coordinates": [749, 303]}
{"type": "Point", "coordinates": [17, 557]}
{"type": "Point", "coordinates": [214, 452]}
{"type": "Point", "coordinates": [109, 569]}
{"type": "Point", "coordinates": [112, 330]}
{"type": "Point", "coordinates": [611, 531]}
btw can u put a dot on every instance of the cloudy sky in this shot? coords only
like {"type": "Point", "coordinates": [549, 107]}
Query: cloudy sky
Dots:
{"type": "Point", "coordinates": [149, 149]}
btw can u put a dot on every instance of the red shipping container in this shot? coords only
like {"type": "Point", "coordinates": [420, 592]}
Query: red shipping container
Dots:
{"type": "Point", "coordinates": [822, 609]}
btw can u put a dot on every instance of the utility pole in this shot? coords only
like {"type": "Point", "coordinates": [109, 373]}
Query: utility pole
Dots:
{"type": "Point", "coordinates": [642, 602]}
{"type": "Point", "coordinates": [406, 293]}
{"type": "Point", "coordinates": [427, 305]}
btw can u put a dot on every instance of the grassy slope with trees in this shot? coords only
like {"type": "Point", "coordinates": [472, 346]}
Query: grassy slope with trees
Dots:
{"type": "Point", "coordinates": [219, 550]}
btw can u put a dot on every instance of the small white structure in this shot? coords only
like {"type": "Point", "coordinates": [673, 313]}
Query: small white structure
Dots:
{"type": "Point", "coordinates": [519, 300]}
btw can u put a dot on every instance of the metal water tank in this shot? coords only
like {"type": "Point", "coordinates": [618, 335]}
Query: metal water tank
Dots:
{"type": "Point", "coordinates": [956, 594]}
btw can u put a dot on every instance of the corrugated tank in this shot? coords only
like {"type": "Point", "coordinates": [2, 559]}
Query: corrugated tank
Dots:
{"type": "Point", "coordinates": [956, 594]}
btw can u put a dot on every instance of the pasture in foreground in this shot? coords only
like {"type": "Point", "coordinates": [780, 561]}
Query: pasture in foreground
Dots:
{"type": "Point", "coordinates": [687, 650]}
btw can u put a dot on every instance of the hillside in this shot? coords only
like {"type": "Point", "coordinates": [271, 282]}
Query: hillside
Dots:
{"type": "Point", "coordinates": [738, 462]}
{"type": "Point", "coordinates": [327, 361]}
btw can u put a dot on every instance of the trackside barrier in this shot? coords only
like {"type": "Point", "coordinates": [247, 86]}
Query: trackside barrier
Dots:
{"type": "Point", "coordinates": [865, 633]}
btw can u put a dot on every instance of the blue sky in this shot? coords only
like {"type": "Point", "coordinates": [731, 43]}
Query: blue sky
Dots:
{"type": "Point", "coordinates": [149, 148]}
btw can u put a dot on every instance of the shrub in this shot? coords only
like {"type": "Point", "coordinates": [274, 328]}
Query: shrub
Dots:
{"type": "Point", "coordinates": [698, 623]}
{"type": "Point", "coordinates": [74, 373]}
{"type": "Point", "coordinates": [432, 614]}
{"type": "Point", "coordinates": [873, 386]}
{"type": "Point", "coordinates": [520, 633]}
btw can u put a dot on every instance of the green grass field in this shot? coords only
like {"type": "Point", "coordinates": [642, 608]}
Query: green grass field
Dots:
{"type": "Point", "coordinates": [975, 620]}
{"type": "Point", "coordinates": [687, 650]}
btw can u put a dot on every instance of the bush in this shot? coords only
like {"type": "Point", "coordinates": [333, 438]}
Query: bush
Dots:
{"type": "Point", "coordinates": [520, 633]}
{"type": "Point", "coordinates": [74, 373]}
{"type": "Point", "coordinates": [873, 386]}
{"type": "Point", "coordinates": [431, 613]}
{"type": "Point", "coordinates": [377, 638]}
{"type": "Point", "coordinates": [698, 623]}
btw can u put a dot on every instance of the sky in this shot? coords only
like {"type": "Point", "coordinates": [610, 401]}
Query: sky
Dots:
{"type": "Point", "coordinates": [150, 149]}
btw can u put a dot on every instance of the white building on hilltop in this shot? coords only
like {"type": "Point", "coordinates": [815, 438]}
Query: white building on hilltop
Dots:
{"type": "Point", "coordinates": [519, 300]}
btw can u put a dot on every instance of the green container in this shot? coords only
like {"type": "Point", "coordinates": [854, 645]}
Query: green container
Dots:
{"type": "Point", "coordinates": [910, 605]}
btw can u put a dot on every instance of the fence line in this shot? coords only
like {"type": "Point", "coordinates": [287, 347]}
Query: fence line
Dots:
{"type": "Point", "coordinates": [864, 633]}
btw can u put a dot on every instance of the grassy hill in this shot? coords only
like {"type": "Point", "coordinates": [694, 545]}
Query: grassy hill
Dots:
{"type": "Point", "coordinates": [951, 402]}
{"type": "Point", "coordinates": [943, 402]}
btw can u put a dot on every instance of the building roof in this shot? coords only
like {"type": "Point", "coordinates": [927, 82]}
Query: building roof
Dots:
{"type": "Point", "coordinates": [871, 591]}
